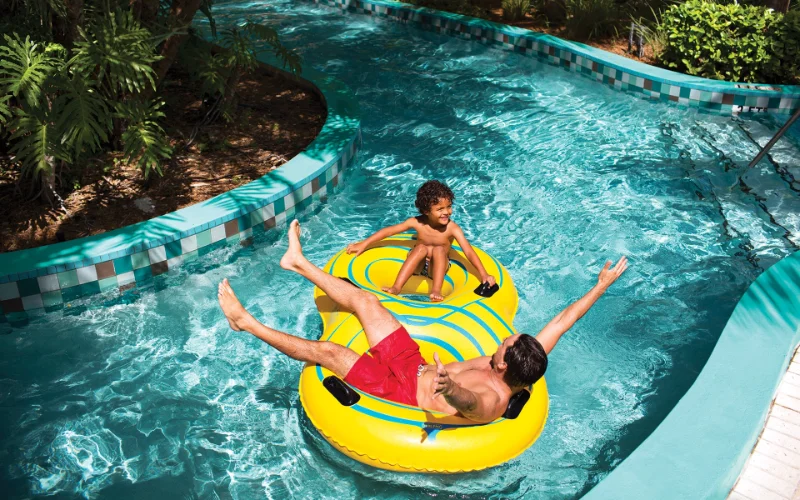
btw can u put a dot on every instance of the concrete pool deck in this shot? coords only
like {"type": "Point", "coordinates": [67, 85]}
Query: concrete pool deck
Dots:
{"type": "Point", "coordinates": [773, 469]}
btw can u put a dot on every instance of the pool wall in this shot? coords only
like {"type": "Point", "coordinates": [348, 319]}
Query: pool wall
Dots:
{"type": "Point", "coordinates": [650, 82]}
{"type": "Point", "coordinates": [46, 278]}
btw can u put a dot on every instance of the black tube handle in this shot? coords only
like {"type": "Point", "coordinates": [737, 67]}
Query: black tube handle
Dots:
{"type": "Point", "coordinates": [484, 290]}
{"type": "Point", "coordinates": [341, 391]}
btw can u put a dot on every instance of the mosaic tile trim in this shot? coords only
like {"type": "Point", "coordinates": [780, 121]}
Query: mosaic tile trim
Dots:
{"type": "Point", "coordinates": [772, 99]}
{"type": "Point", "coordinates": [49, 289]}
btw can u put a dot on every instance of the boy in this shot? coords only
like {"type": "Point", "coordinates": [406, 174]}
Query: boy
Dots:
{"type": "Point", "coordinates": [435, 234]}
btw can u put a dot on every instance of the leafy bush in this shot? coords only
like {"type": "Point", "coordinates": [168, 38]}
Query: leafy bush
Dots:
{"type": "Point", "coordinates": [56, 109]}
{"type": "Point", "coordinates": [143, 137]}
{"type": "Point", "coordinates": [587, 19]}
{"type": "Point", "coordinates": [515, 9]}
{"type": "Point", "coordinates": [553, 11]}
{"type": "Point", "coordinates": [724, 42]}
{"type": "Point", "coordinates": [784, 67]}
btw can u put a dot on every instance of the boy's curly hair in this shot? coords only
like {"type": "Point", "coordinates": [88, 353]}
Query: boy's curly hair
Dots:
{"type": "Point", "coordinates": [430, 193]}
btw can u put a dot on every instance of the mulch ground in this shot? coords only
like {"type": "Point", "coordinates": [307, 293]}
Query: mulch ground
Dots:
{"type": "Point", "coordinates": [275, 120]}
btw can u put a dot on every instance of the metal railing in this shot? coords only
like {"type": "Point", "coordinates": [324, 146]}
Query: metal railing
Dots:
{"type": "Point", "coordinates": [777, 136]}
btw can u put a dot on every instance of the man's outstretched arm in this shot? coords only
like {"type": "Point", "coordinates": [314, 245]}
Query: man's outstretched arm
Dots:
{"type": "Point", "coordinates": [559, 325]}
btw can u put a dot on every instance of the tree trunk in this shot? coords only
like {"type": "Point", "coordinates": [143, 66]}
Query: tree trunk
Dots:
{"type": "Point", "coordinates": [65, 29]}
{"type": "Point", "coordinates": [778, 5]}
{"type": "Point", "coordinates": [48, 183]}
{"type": "Point", "coordinates": [146, 11]}
{"type": "Point", "coordinates": [180, 17]}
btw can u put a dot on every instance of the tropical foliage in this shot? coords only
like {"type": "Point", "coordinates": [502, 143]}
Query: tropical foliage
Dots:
{"type": "Point", "coordinates": [731, 42]}
{"type": "Point", "coordinates": [514, 10]}
{"type": "Point", "coordinates": [79, 77]}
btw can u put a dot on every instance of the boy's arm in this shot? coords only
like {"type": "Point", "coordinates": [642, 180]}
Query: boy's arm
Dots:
{"type": "Point", "coordinates": [359, 247]}
{"type": "Point", "coordinates": [559, 325]}
{"type": "Point", "coordinates": [458, 234]}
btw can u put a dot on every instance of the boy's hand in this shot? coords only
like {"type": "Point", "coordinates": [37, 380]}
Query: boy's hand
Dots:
{"type": "Point", "coordinates": [609, 276]}
{"type": "Point", "coordinates": [489, 279]}
{"type": "Point", "coordinates": [356, 248]}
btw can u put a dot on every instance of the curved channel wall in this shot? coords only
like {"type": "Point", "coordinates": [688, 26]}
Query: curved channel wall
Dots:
{"type": "Point", "coordinates": [46, 278]}
{"type": "Point", "coordinates": [701, 447]}
{"type": "Point", "coordinates": [711, 96]}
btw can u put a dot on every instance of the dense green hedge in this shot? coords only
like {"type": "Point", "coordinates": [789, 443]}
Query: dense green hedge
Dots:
{"type": "Point", "coordinates": [731, 42]}
{"type": "Point", "coordinates": [784, 67]}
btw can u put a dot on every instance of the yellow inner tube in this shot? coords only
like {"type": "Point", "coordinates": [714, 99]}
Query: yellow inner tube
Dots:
{"type": "Point", "coordinates": [405, 438]}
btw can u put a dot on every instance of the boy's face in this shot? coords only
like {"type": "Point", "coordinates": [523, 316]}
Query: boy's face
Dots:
{"type": "Point", "coordinates": [440, 212]}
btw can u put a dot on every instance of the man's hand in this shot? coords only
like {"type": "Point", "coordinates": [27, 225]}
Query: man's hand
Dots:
{"type": "Point", "coordinates": [356, 248]}
{"type": "Point", "coordinates": [489, 279]}
{"type": "Point", "coordinates": [609, 276]}
{"type": "Point", "coordinates": [442, 383]}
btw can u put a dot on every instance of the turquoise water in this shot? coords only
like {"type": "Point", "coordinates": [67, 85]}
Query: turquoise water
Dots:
{"type": "Point", "coordinates": [152, 396]}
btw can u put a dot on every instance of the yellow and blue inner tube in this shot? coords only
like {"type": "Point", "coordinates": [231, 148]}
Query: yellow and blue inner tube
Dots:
{"type": "Point", "coordinates": [394, 436]}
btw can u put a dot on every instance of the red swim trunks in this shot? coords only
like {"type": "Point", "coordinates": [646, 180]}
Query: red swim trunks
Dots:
{"type": "Point", "coordinates": [391, 370]}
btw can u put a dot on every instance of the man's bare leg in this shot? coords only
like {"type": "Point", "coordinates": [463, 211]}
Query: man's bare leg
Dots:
{"type": "Point", "coordinates": [378, 323]}
{"type": "Point", "coordinates": [334, 357]}
{"type": "Point", "coordinates": [412, 262]}
{"type": "Point", "coordinates": [439, 262]}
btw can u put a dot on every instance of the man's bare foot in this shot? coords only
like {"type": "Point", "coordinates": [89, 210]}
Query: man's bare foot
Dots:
{"type": "Point", "coordinates": [293, 257]}
{"type": "Point", "coordinates": [390, 289]}
{"type": "Point", "coordinates": [233, 309]}
{"type": "Point", "coordinates": [436, 297]}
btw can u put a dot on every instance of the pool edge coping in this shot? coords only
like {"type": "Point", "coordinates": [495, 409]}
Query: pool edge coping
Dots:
{"type": "Point", "coordinates": [36, 278]}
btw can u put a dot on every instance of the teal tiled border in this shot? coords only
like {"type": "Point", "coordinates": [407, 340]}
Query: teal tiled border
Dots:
{"type": "Point", "coordinates": [45, 278]}
{"type": "Point", "coordinates": [701, 447]}
{"type": "Point", "coordinates": [621, 73]}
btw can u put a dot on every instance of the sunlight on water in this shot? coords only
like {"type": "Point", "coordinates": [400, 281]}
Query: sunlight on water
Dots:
{"type": "Point", "coordinates": [152, 395]}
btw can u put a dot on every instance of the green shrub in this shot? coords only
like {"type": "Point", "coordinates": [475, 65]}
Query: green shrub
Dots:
{"type": "Point", "coordinates": [515, 9]}
{"type": "Point", "coordinates": [553, 11]}
{"type": "Point", "coordinates": [587, 19]}
{"type": "Point", "coordinates": [724, 42]}
{"type": "Point", "coordinates": [784, 66]}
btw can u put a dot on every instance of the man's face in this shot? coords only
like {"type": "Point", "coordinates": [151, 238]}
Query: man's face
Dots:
{"type": "Point", "coordinates": [499, 356]}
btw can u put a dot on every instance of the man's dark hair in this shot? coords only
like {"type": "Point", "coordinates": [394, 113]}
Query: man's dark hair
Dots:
{"type": "Point", "coordinates": [430, 193]}
{"type": "Point", "coordinates": [526, 362]}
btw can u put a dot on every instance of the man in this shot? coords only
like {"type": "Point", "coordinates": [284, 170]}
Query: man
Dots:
{"type": "Point", "coordinates": [478, 389]}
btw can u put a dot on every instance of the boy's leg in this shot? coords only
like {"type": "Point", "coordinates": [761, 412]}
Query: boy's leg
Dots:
{"type": "Point", "coordinates": [334, 357]}
{"type": "Point", "coordinates": [412, 262]}
{"type": "Point", "coordinates": [378, 323]}
{"type": "Point", "coordinates": [439, 261]}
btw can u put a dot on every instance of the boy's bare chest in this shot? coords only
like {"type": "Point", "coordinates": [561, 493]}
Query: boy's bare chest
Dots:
{"type": "Point", "coordinates": [430, 236]}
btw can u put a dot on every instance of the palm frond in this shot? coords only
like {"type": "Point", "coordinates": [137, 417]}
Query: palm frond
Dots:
{"type": "Point", "coordinates": [245, 43]}
{"type": "Point", "coordinates": [84, 118]}
{"type": "Point", "coordinates": [36, 143]}
{"type": "Point", "coordinates": [266, 34]}
{"type": "Point", "coordinates": [117, 50]}
{"type": "Point", "coordinates": [213, 74]}
{"type": "Point", "coordinates": [143, 137]}
{"type": "Point", "coordinates": [205, 8]}
{"type": "Point", "coordinates": [5, 109]}
{"type": "Point", "coordinates": [43, 10]}
{"type": "Point", "coordinates": [240, 49]}
{"type": "Point", "coordinates": [25, 66]}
